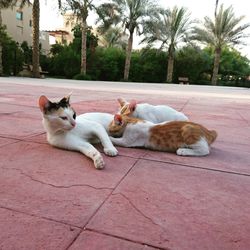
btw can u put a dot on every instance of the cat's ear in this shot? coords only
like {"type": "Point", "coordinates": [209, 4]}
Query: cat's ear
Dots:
{"type": "Point", "coordinates": [44, 103]}
{"type": "Point", "coordinates": [118, 119]}
{"type": "Point", "coordinates": [122, 102]}
{"type": "Point", "coordinates": [132, 105]}
{"type": "Point", "coordinates": [66, 99]}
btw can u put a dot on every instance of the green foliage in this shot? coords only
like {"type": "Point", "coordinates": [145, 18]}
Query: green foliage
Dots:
{"type": "Point", "coordinates": [27, 52]}
{"type": "Point", "coordinates": [12, 55]}
{"type": "Point", "coordinates": [193, 63]}
{"type": "Point", "coordinates": [56, 49]}
{"type": "Point", "coordinates": [66, 63]}
{"type": "Point", "coordinates": [108, 64]}
{"type": "Point", "coordinates": [12, 58]}
{"type": "Point", "coordinates": [232, 62]}
{"type": "Point", "coordinates": [234, 68]}
{"type": "Point", "coordinates": [92, 40]}
{"type": "Point", "coordinates": [148, 65]}
{"type": "Point", "coordinates": [82, 77]}
{"type": "Point", "coordinates": [66, 59]}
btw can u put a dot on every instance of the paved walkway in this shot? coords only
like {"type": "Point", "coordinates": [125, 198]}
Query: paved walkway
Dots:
{"type": "Point", "coordinates": [55, 199]}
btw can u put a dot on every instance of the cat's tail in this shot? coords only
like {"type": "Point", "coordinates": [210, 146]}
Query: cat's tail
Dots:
{"type": "Point", "coordinates": [210, 135]}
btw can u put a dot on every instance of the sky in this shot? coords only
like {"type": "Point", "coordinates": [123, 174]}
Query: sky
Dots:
{"type": "Point", "coordinates": [50, 18]}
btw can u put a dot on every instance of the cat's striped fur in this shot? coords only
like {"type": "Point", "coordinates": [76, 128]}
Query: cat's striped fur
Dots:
{"type": "Point", "coordinates": [182, 137]}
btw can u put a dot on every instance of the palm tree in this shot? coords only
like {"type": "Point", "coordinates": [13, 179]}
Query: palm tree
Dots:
{"type": "Point", "coordinates": [113, 37]}
{"type": "Point", "coordinates": [35, 38]}
{"type": "Point", "coordinates": [223, 30]}
{"type": "Point", "coordinates": [81, 10]}
{"type": "Point", "coordinates": [216, 7]}
{"type": "Point", "coordinates": [131, 14]}
{"type": "Point", "coordinates": [170, 29]}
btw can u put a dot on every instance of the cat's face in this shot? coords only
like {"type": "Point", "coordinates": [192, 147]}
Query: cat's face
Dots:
{"type": "Point", "coordinates": [119, 123]}
{"type": "Point", "coordinates": [117, 126]}
{"type": "Point", "coordinates": [59, 114]}
{"type": "Point", "coordinates": [126, 108]}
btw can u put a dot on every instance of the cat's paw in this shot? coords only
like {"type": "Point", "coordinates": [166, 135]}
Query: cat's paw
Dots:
{"type": "Point", "coordinates": [111, 151]}
{"type": "Point", "coordinates": [183, 151]}
{"type": "Point", "coordinates": [99, 162]}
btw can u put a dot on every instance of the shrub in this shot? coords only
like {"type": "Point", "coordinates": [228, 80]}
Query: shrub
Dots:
{"type": "Point", "coordinates": [12, 55]}
{"type": "Point", "coordinates": [82, 77]}
{"type": "Point", "coordinates": [66, 63]}
{"type": "Point", "coordinates": [148, 65]}
{"type": "Point", "coordinates": [107, 64]}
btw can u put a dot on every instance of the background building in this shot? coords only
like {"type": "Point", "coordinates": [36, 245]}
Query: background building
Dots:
{"type": "Point", "coordinates": [19, 25]}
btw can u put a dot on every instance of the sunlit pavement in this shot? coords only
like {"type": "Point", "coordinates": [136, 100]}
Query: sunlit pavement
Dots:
{"type": "Point", "coordinates": [55, 199]}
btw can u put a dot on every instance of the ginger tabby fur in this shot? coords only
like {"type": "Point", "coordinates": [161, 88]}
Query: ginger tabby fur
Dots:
{"type": "Point", "coordinates": [182, 137]}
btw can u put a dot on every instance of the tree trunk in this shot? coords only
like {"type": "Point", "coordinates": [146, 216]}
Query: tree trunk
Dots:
{"type": "Point", "coordinates": [128, 56]}
{"type": "Point", "coordinates": [84, 45]}
{"type": "Point", "coordinates": [1, 48]}
{"type": "Point", "coordinates": [35, 49]}
{"type": "Point", "coordinates": [216, 7]}
{"type": "Point", "coordinates": [170, 64]}
{"type": "Point", "coordinates": [216, 65]}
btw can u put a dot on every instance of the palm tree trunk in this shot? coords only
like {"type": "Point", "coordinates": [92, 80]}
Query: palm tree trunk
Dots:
{"type": "Point", "coordinates": [84, 45]}
{"type": "Point", "coordinates": [216, 7]}
{"type": "Point", "coordinates": [128, 56]}
{"type": "Point", "coordinates": [35, 50]}
{"type": "Point", "coordinates": [1, 48]}
{"type": "Point", "coordinates": [170, 64]}
{"type": "Point", "coordinates": [216, 65]}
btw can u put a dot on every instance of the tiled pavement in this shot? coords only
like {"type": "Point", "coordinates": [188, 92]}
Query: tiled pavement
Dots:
{"type": "Point", "coordinates": [55, 199]}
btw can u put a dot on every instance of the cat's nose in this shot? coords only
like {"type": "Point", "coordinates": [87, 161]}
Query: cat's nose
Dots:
{"type": "Point", "coordinates": [73, 124]}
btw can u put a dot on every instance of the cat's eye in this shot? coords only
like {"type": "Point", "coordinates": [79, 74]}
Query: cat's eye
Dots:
{"type": "Point", "coordinates": [74, 116]}
{"type": "Point", "coordinates": [64, 118]}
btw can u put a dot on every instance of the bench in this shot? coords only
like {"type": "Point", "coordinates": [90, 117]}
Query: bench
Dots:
{"type": "Point", "coordinates": [42, 72]}
{"type": "Point", "coordinates": [183, 80]}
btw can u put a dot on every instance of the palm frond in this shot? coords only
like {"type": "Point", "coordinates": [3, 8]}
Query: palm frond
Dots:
{"type": "Point", "coordinates": [225, 29]}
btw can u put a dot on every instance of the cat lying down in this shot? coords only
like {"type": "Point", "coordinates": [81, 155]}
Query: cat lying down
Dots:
{"type": "Point", "coordinates": [145, 111]}
{"type": "Point", "coordinates": [65, 130]}
{"type": "Point", "coordinates": [183, 137]}
{"type": "Point", "coordinates": [148, 112]}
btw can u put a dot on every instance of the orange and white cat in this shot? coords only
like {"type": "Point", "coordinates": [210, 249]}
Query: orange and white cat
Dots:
{"type": "Point", "coordinates": [65, 130]}
{"type": "Point", "coordinates": [183, 137]}
{"type": "Point", "coordinates": [149, 112]}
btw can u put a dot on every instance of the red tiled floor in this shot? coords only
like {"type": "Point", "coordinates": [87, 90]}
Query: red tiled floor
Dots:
{"type": "Point", "coordinates": [175, 207]}
{"type": "Point", "coordinates": [19, 121]}
{"type": "Point", "coordinates": [56, 184]}
{"type": "Point", "coordinates": [56, 199]}
{"type": "Point", "coordinates": [21, 231]}
{"type": "Point", "coordinates": [222, 157]}
{"type": "Point", "coordinates": [6, 141]}
{"type": "Point", "coordinates": [95, 241]}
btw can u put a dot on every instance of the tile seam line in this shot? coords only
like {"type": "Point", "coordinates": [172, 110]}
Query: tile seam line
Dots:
{"type": "Point", "coordinates": [185, 104]}
{"type": "Point", "coordinates": [11, 143]}
{"type": "Point", "coordinates": [96, 211]}
{"type": "Point", "coordinates": [242, 117]}
{"type": "Point", "coordinates": [196, 167]}
{"type": "Point", "coordinates": [126, 239]}
{"type": "Point", "coordinates": [20, 105]}
{"type": "Point", "coordinates": [39, 217]}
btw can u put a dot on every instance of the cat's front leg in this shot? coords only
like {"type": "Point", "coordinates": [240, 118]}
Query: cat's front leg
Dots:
{"type": "Point", "coordinates": [91, 152]}
{"type": "Point", "coordinates": [119, 141]}
{"type": "Point", "coordinates": [108, 147]}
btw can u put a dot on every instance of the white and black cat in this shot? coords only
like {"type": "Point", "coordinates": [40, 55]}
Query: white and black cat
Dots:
{"type": "Point", "coordinates": [65, 130]}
